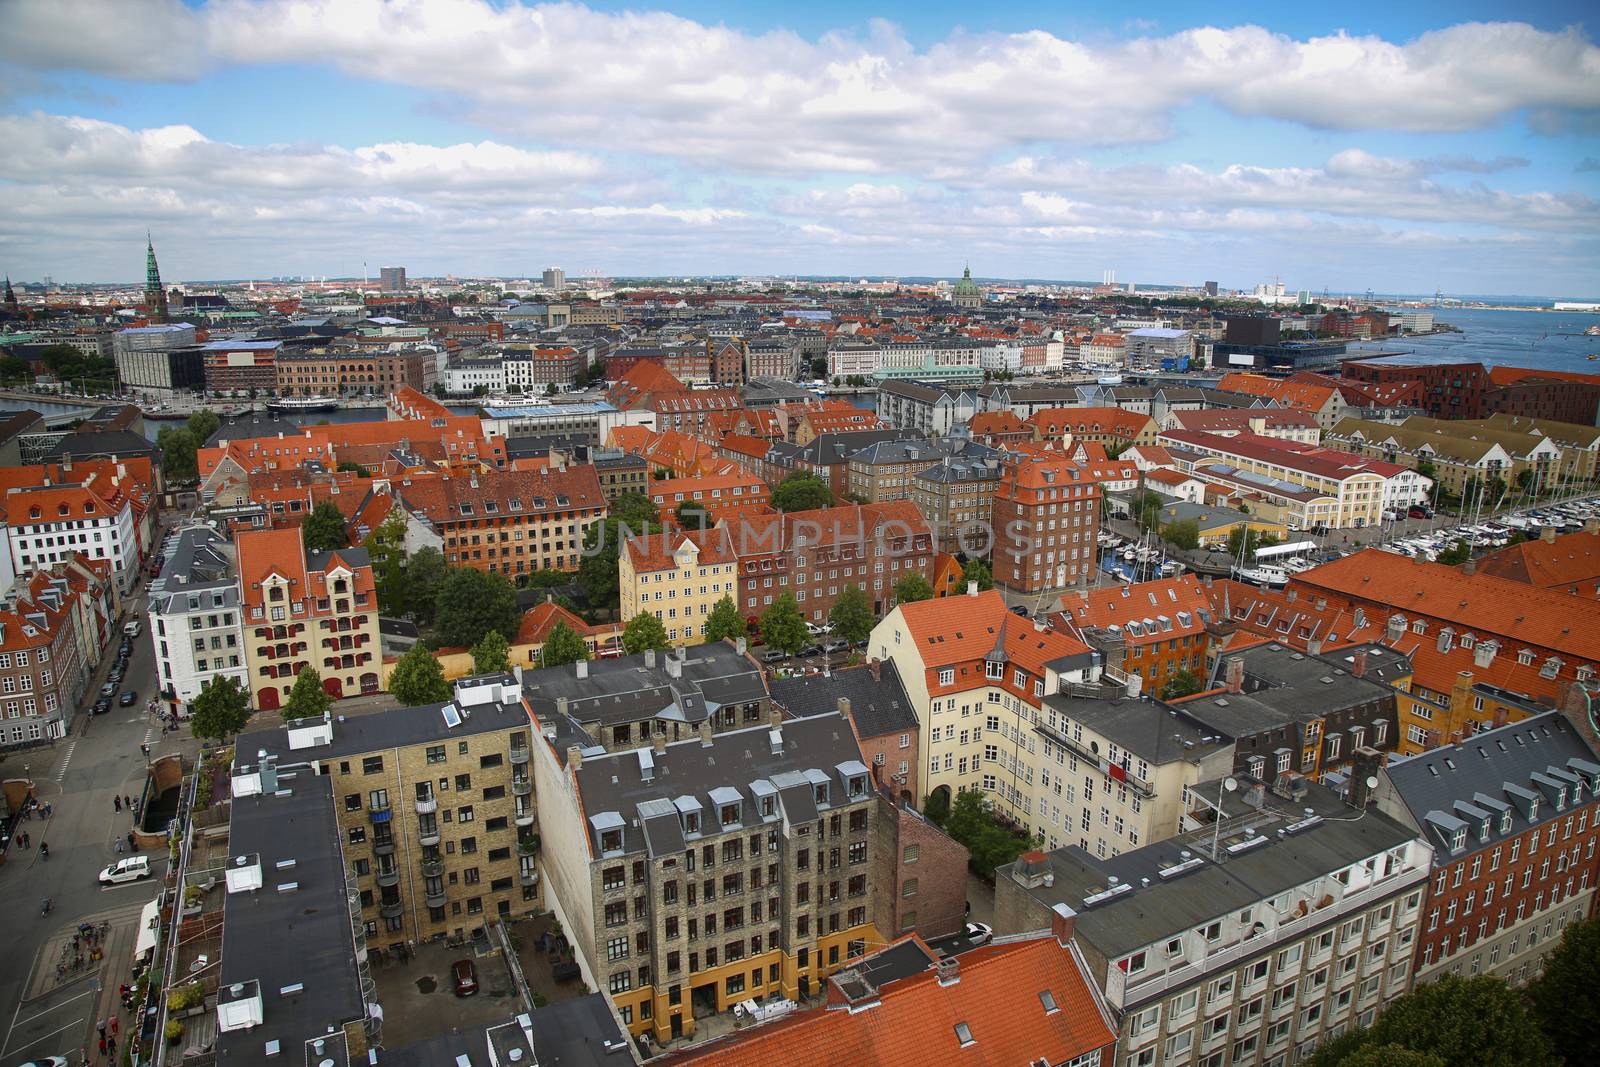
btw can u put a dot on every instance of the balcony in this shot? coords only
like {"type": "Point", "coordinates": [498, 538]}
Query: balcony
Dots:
{"type": "Point", "coordinates": [383, 846]}
{"type": "Point", "coordinates": [527, 876]}
{"type": "Point", "coordinates": [428, 805]}
{"type": "Point", "coordinates": [435, 898]}
{"type": "Point", "coordinates": [379, 812]}
{"type": "Point", "coordinates": [392, 910]}
{"type": "Point", "coordinates": [528, 845]}
{"type": "Point", "coordinates": [432, 868]}
{"type": "Point", "coordinates": [387, 876]}
{"type": "Point", "coordinates": [428, 837]}
{"type": "Point", "coordinates": [525, 818]}
{"type": "Point", "coordinates": [519, 756]}
{"type": "Point", "coordinates": [521, 785]}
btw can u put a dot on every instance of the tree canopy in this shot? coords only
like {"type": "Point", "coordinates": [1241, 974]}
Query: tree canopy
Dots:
{"type": "Point", "coordinates": [636, 511]}
{"type": "Point", "coordinates": [1182, 534]}
{"type": "Point", "coordinates": [202, 424]}
{"type": "Point", "coordinates": [976, 570]}
{"type": "Point", "coordinates": [851, 614]}
{"type": "Point", "coordinates": [178, 455]}
{"type": "Point", "coordinates": [1144, 507]}
{"type": "Point", "coordinates": [418, 679]}
{"type": "Point", "coordinates": [988, 843]}
{"type": "Point", "coordinates": [1183, 684]}
{"type": "Point", "coordinates": [562, 645]}
{"type": "Point", "coordinates": [492, 654]}
{"type": "Point", "coordinates": [470, 603]}
{"type": "Point", "coordinates": [1247, 538]}
{"type": "Point", "coordinates": [424, 572]}
{"type": "Point", "coordinates": [725, 621]}
{"type": "Point", "coordinates": [323, 528]}
{"type": "Point", "coordinates": [692, 515]}
{"type": "Point", "coordinates": [386, 549]}
{"type": "Point", "coordinates": [1462, 1022]}
{"type": "Point", "coordinates": [912, 588]}
{"type": "Point", "coordinates": [1565, 1000]}
{"type": "Point", "coordinates": [221, 710]}
{"type": "Point", "coordinates": [308, 699]}
{"type": "Point", "coordinates": [631, 514]}
{"type": "Point", "coordinates": [783, 627]}
{"type": "Point", "coordinates": [643, 632]}
{"type": "Point", "coordinates": [802, 491]}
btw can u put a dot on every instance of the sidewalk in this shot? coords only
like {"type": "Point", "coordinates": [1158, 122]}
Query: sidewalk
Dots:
{"type": "Point", "coordinates": [116, 949]}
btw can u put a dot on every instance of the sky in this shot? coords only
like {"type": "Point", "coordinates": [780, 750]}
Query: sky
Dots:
{"type": "Point", "coordinates": [1401, 148]}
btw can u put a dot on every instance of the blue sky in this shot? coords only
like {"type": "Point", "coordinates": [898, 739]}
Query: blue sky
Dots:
{"type": "Point", "coordinates": [1392, 147]}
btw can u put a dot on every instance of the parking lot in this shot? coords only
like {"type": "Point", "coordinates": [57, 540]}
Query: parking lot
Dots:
{"type": "Point", "coordinates": [419, 999]}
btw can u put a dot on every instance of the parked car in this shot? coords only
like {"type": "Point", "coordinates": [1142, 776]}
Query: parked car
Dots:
{"type": "Point", "coordinates": [101, 706]}
{"type": "Point", "coordinates": [1417, 511]}
{"type": "Point", "coordinates": [979, 933]}
{"type": "Point", "coordinates": [836, 645]}
{"type": "Point", "coordinates": [127, 698]}
{"type": "Point", "coordinates": [131, 869]}
{"type": "Point", "coordinates": [465, 975]}
{"type": "Point", "coordinates": [813, 650]}
{"type": "Point", "coordinates": [48, 1061]}
{"type": "Point", "coordinates": [773, 655]}
{"type": "Point", "coordinates": [109, 689]}
{"type": "Point", "coordinates": [816, 630]}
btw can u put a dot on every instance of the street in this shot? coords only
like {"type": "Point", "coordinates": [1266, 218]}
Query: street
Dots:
{"type": "Point", "coordinates": [43, 1011]}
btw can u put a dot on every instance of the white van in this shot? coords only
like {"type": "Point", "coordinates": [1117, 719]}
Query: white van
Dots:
{"type": "Point", "coordinates": [129, 870]}
{"type": "Point", "coordinates": [132, 629]}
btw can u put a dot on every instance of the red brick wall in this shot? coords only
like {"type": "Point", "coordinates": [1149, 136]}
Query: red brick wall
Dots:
{"type": "Point", "coordinates": [938, 868]}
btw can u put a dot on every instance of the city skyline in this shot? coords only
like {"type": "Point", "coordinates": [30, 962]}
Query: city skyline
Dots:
{"type": "Point", "coordinates": [1396, 151]}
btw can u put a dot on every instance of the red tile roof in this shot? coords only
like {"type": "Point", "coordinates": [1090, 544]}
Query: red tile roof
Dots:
{"type": "Point", "coordinates": [503, 494]}
{"type": "Point", "coordinates": [1330, 463]}
{"type": "Point", "coordinates": [1571, 563]}
{"type": "Point", "coordinates": [965, 629]}
{"type": "Point", "coordinates": [913, 1022]}
{"type": "Point", "coordinates": [1119, 422]}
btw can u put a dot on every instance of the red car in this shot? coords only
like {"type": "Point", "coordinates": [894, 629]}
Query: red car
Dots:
{"type": "Point", "coordinates": [465, 974]}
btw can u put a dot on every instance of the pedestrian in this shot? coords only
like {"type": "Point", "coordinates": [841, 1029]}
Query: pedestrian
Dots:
{"type": "Point", "coordinates": [101, 1025]}
{"type": "Point", "coordinates": [127, 802]}
{"type": "Point", "coordinates": [130, 840]}
{"type": "Point", "coordinates": [117, 802]}
{"type": "Point", "coordinates": [119, 846]}
{"type": "Point", "coordinates": [111, 1044]}
{"type": "Point", "coordinates": [102, 1045]}
{"type": "Point", "coordinates": [113, 1026]}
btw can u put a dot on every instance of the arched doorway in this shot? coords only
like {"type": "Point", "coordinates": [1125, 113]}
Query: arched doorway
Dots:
{"type": "Point", "coordinates": [334, 688]}
{"type": "Point", "coordinates": [937, 806]}
{"type": "Point", "coordinates": [269, 699]}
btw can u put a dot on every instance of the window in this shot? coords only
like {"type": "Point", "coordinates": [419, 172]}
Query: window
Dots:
{"type": "Point", "coordinates": [372, 765]}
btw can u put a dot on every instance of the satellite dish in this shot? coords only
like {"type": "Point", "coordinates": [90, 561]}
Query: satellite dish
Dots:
{"type": "Point", "coordinates": [1372, 781]}
{"type": "Point", "coordinates": [1229, 784]}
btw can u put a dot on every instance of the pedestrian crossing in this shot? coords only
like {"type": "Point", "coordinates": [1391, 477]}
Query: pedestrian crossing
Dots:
{"type": "Point", "coordinates": [66, 758]}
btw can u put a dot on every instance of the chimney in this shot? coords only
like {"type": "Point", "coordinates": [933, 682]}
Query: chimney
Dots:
{"type": "Point", "coordinates": [674, 667]}
{"type": "Point", "coordinates": [650, 657]}
{"type": "Point", "coordinates": [574, 757]}
{"type": "Point", "coordinates": [1367, 762]}
{"type": "Point", "coordinates": [876, 667]}
{"type": "Point", "coordinates": [705, 733]}
{"type": "Point", "coordinates": [1548, 535]}
{"type": "Point", "coordinates": [739, 645]}
{"type": "Point", "coordinates": [972, 588]}
{"type": "Point", "coordinates": [1030, 869]}
{"type": "Point", "coordinates": [583, 668]}
{"type": "Point", "coordinates": [1358, 663]}
{"type": "Point", "coordinates": [948, 970]}
{"type": "Point", "coordinates": [1062, 923]}
{"type": "Point", "coordinates": [659, 743]}
{"type": "Point", "coordinates": [1470, 566]}
{"type": "Point", "coordinates": [844, 706]}
{"type": "Point", "coordinates": [516, 672]}
{"type": "Point", "coordinates": [1256, 795]}
{"type": "Point", "coordinates": [775, 716]}
{"type": "Point", "coordinates": [1314, 646]}
{"type": "Point", "coordinates": [561, 706]}
{"type": "Point", "coordinates": [1233, 675]}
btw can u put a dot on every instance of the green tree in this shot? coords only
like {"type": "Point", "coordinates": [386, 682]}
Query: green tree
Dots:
{"type": "Point", "coordinates": [354, 468]}
{"type": "Point", "coordinates": [802, 491]}
{"type": "Point", "coordinates": [989, 843]}
{"type": "Point", "coordinates": [692, 515]}
{"type": "Point", "coordinates": [202, 424]}
{"type": "Point", "coordinates": [978, 571]}
{"type": "Point", "coordinates": [548, 578]}
{"type": "Point", "coordinates": [1249, 539]}
{"type": "Point", "coordinates": [912, 588]}
{"type": "Point", "coordinates": [308, 699]}
{"type": "Point", "coordinates": [386, 549]}
{"type": "Point", "coordinates": [563, 645]}
{"type": "Point", "coordinates": [643, 632]}
{"type": "Point", "coordinates": [783, 627]}
{"type": "Point", "coordinates": [1144, 507]}
{"type": "Point", "coordinates": [636, 511]}
{"type": "Point", "coordinates": [1457, 554]}
{"type": "Point", "coordinates": [470, 603]}
{"type": "Point", "coordinates": [424, 573]}
{"type": "Point", "coordinates": [851, 614]}
{"type": "Point", "coordinates": [418, 679]}
{"type": "Point", "coordinates": [1182, 684]}
{"type": "Point", "coordinates": [220, 711]}
{"type": "Point", "coordinates": [725, 621]}
{"type": "Point", "coordinates": [178, 455]}
{"type": "Point", "coordinates": [936, 806]}
{"type": "Point", "coordinates": [1565, 1000]}
{"type": "Point", "coordinates": [1390, 1056]}
{"type": "Point", "coordinates": [323, 528]}
{"type": "Point", "coordinates": [1183, 534]}
{"type": "Point", "coordinates": [491, 655]}
{"type": "Point", "coordinates": [1462, 1022]}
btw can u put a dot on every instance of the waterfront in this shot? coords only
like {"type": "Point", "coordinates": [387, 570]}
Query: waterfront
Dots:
{"type": "Point", "coordinates": [1550, 339]}
{"type": "Point", "coordinates": [152, 427]}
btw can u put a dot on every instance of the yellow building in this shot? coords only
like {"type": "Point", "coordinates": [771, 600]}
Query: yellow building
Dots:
{"type": "Point", "coordinates": [678, 577]}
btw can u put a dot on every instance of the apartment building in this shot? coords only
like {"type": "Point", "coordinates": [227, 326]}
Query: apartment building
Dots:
{"type": "Point", "coordinates": [535, 368]}
{"type": "Point", "coordinates": [721, 495]}
{"type": "Point", "coordinates": [1286, 424]}
{"type": "Point", "coordinates": [435, 808]}
{"type": "Point", "coordinates": [101, 510]}
{"type": "Point", "coordinates": [1464, 451]}
{"type": "Point", "coordinates": [1151, 630]}
{"type": "Point", "coordinates": [467, 377]}
{"type": "Point", "coordinates": [44, 664]}
{"type": "Point", "coordinates": [1511, 816]}
{"type": "Point", "coordinates": [1247, 942]}
{"type": "Point", "coordinates": [956, 496]}
{"type": "Point", "coordinates": [678, 576]}
{"type": "Point", "coordinates": [351, 373]}
{"type": "Point", "coordinates": [1104, 351]}
{"type": "Point", "coordinates": [196, 621]}
{"type": "Point", "coordinates": [306, 609]}
{"type": "Point", "coordinates": [696, 874]}
{"type": "Point", "coordinates": [887, 470]}
{"type": "Point", "coordinates": [619, 472]}
{"type": "Point", "coordinates": [817, 554]}
{"type": "Point", "coordinates": [926, 409]}
{"type": "Point", "coordinates": [507, 522]}
{"type": "Point", "coordinates": [242, 367]}
{"type": "Point", "coordinates": [1046, 519]}
{"type": "Point", "coordinates": [1060, 427]}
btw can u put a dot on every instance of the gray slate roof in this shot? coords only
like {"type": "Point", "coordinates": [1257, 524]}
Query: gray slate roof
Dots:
{"type": "Point", "coordinates": [626, 689]}
{"type": "Point", "coordinates": [878, 706]}
{"type": "Point", "coordinates": [1150, 730]}
{"type": "Point", "coordinates": [199, 560]}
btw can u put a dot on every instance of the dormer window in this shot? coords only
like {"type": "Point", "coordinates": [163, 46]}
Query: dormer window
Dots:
{"type": "Point", "coordinates": [730, 814]}
{"type": "Point", "coordinates": [1458, 839]}
{"type": "Point", "coordinates": [994, 669]}
{"type": "Point", "coordinates": [611, 841]}
{"type": "Point", "coordinates": [947, 676]}
{"type": "Point", "coordinates": [822, 792]}
{"type": "Point", "coordinates": [691, 822]}
{"type": "Point", "coordinates": [1505, 821]}
{"type": "Point", "coordinates": [769, 807]}
{"type": "Point", "coordinates": [1483, 830]}
{"type": "Point", "coordinates": [858, 786]}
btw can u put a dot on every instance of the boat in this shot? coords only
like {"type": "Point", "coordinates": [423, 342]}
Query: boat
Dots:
{"type": "Point", "coordinates": [164, 414]}
{"type": "Point", "coordinates": [303, 404]}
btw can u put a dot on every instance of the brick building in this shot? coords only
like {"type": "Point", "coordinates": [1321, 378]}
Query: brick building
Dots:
{"type": "Point", "coordinates": [1512, 815]}
{"type": "Point", "coordinates": [306, 609]}
{"type": "Point", "coordinates": [45, 659]}
{"type": "Point", "coordinates": [1046, 519]}
{"type": "Point", "coordinates": [345, 374]}
{"type": "Point", "coordinates": [242, 366]}
{"type": "Point", "coordinates": [1152, 629]}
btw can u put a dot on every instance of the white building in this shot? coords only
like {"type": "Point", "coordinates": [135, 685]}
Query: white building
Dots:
{"type": "Point", "coordinates": [1104, 350]}
{"type": "Point", "coordinates": [1152, 345]}
{"type": "Point", "coordinates": [467, 376]}
{"type": "Point", "coordinates": [519, 373]}
{"type": "Point", "coordinates": [46, 524]}
{"type": "Point", "coordinates": [196, 627]}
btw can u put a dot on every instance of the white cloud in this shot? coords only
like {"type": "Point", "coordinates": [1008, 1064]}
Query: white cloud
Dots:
{"type": "Point", "coordinates": [779, 103]}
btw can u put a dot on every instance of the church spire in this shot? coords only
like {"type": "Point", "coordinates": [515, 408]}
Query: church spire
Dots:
{"type": "Point", "coordinates": [11, 296]}
{"type": "Point", "coordinates": [155, 297]}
